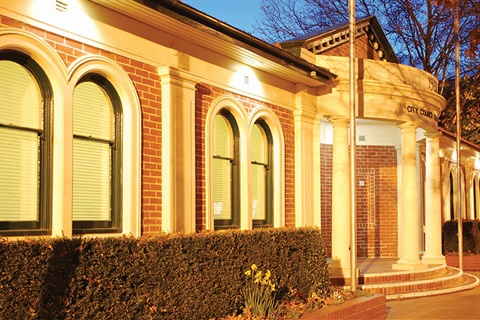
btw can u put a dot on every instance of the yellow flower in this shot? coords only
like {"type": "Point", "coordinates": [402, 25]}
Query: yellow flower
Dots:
{"type": "Point", "coordinates": [254, 267]}
{"type": "Point", "coordinates": [267, 275]}
{"type": "Point", "coordinates": [248, 273]}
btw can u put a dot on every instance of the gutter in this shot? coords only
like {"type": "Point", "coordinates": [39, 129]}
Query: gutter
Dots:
{"type": "Point", "coordinates": [286, 59]}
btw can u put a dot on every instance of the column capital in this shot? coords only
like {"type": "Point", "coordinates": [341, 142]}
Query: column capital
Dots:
{"type": "Point", "coordinates": [336, 120]}
{"type": "Point", "coordinates": [171, 75]}
{"type": "Point", "coordinates": [405, 126]}
{"type": "Point", "coordinates": [430, 136]}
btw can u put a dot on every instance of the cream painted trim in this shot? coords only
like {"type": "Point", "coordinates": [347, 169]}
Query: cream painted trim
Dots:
{"type": "Point", "coordinates": [53, 66]}
{"type": "Point", "coordinates": [241, 117]}
{"type": "Point", "coordinates": [278, 163]}
{"type": "Point", "coordinates": [131, 135]}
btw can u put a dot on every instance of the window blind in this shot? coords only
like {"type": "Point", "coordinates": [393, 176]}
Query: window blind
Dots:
{"type": "Point", "coordinates": [222, 168]}
{"type": "Point", "coordinates": [18, 175]}
{"type": "Point", "coordinates": [259, 159]}
{"type": "Point", "coordinates": [92, 112]}
{"type": "Point", "coordinates": [93, 128]}
{"type": "Point", "coordinates": [222, 189]}
{"type": "Point", "coordinates": [91, 180]}
{"type": "Point", "coordinates": [20, 98]}
{"type": "Point", "coordinates": [21, 119]}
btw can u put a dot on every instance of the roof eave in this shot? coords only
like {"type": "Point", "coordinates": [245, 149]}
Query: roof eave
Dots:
{"type": "Point", "coordinates": [284, 58]}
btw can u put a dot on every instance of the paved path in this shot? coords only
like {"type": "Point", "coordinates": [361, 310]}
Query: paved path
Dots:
{"type": "Point", "coordinates": [461, 305]}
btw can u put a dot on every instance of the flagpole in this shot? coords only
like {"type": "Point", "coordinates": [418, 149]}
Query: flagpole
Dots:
{"type": "Point", "coordinates": [353, 134]}
{"type": "Point", "coordinates": [459, 137]}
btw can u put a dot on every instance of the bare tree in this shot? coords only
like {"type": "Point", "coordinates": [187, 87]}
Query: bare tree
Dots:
{"type": "Point", "coordinates": [420, 31]}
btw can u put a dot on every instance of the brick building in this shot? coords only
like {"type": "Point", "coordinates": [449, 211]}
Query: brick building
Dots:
{"type": "Point", "coordinates": [136, 117]}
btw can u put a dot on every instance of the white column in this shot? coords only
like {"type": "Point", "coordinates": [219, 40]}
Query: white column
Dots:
{"type": "Point", "coordinates": [317, 168]}
{"type": "Point", "coordinates": [445, 179]}
{"type": "Point", "coordinates": [433, 209]}
{"type": "Point", "coordinates": [340, 266]}
{"type": "Point", "coordinates": [178, 150]}
{"type": "Point", "coordinates": [420, 198]}
{"type": "Point", "coordinates": [303, 168]}
{"type": "Point", "coordinates": [409, 220]}
{"type": "Point", "coordinates": [307, 157]}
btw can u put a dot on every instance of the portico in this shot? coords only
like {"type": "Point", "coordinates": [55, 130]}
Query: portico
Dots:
{"type": "Point", "coordinates": [405, 98]}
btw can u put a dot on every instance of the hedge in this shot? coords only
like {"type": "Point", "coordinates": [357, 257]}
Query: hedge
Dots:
{"type": "Point", "coordinates": [175, 276]}
{"type": "Point", "coordinates": [471, 236]}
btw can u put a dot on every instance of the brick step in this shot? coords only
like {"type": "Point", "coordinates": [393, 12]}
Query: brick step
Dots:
{"type": "Point", "coordinates": [466, 282]}
{"type": "Point", "coordinates": [449, 280]}
{"type": "Point", "coordinates": [402, 276]}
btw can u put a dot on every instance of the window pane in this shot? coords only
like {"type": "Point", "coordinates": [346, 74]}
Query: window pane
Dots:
{"type": "Point", "coordinates": [91, 180]}
{"type": "Point", "coordinates": [258, 192]}
{"type": "Point", "coordinates": [93, 112]}
{"type": "Point", "coordinates": [259, 144]}
{"type": "Point", "coordinates": [20, 106]}
{"type": "Point", "coordinates": [19, 167]}
{"type": "Point", "coordinates": [20, 97]}
{"type": "Point", "coordinates": [222, 139]}
{"type": "Point", "coordinates": [222, 192]}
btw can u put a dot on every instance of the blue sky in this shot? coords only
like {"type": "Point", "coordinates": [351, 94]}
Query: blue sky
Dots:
{"type": "Point", "coordinates": [238, 13]}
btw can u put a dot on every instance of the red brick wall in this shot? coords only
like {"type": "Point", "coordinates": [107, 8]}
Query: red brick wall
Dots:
{"type": "Point", "coordinates": [363, 49]}
{"type": "Point", "coordinates": [147, 84]}
{"type": "Point", "coordinates": [376, 200]}
{"type": "Point", "coordinates": [204, 97]}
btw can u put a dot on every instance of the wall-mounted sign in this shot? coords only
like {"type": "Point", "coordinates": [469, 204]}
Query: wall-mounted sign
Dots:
{"type": "Point", "coordinates": [422, 112]}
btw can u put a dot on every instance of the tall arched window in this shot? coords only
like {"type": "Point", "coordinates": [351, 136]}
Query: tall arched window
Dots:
{"type": "Point", "coordinates": [225, 172]}
{"type": "Point", "coordinates": [261, 153]}
{"type": "Point", "coordinates": [475, 197]}
{"type": "Point", "coordinates": [452, 197]}
{"type": "Point", "coordinates": [25, 144]}
{"type": "Point", "coordinates": [96, 157]}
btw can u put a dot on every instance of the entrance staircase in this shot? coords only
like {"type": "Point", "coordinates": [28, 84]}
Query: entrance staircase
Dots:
{"type": "Point", "coordinates": [377, 276]}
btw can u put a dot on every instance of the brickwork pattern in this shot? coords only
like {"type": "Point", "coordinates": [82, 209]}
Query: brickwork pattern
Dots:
{"type": "Point", "coordinates": [147, 84]}
{"type": "Point", "coordinates": [204, 96]}
{"type": "Point", "coordinates": [377, 232]}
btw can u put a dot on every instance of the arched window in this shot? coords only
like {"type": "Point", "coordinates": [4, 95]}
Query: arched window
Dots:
{"type": "Point", "coordinates": [225, 172]}
{"type": "Point", "coordinates": [96, 157]}
{"type": "Point", "coordinates": [452, 197]}
{"type": "Point", "coordinates": [25, 144]}
{"type": "Point", "coordinates": [476, 197]}
{"type": "Point", "coordinates": [261, 153]}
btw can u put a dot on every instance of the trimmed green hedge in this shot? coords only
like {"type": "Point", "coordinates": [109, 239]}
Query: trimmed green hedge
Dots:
{"type": "Point", "coordinates": [471, 236]}
{"type": "Point", "coordinates": [177, 276]}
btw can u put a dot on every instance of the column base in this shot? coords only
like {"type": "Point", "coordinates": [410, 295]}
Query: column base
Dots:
{"type": "Point", "coordinates": [337, 270]}
{"type": "Point", "coordinates": [426, 259]}
{"type": "Point", "coordinates": [406, 265]}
